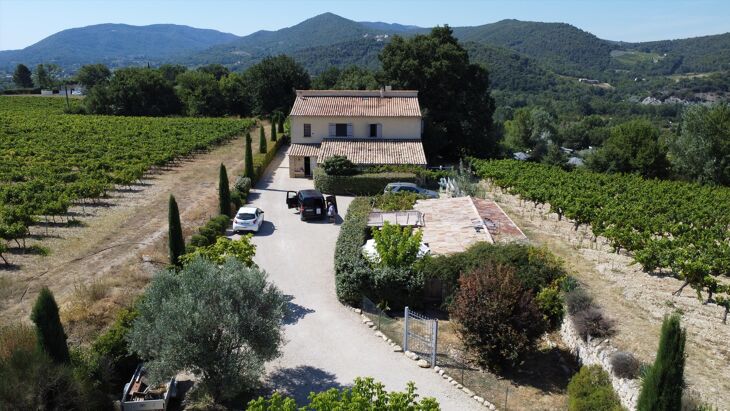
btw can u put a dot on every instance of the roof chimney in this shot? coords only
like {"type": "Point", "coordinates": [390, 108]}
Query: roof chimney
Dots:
{"type": "Point", "coordinates": [388, 88]}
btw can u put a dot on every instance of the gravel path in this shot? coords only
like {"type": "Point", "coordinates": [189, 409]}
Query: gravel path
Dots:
{"type": "Point", "coordinates": [326, 344]}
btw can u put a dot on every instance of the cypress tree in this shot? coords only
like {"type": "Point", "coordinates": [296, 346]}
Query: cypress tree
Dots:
{"type": "Point", "coordinates": [248, 171]}
{"type": "Point", "coordinates": [281, 124]}
{"type": "Point", "coordinates": [273, 130]}
{"type": "Point", "coordinates": [49, 330]}
{"type": "Point", "coordinates": [224, 192]}
{"type": "Point", "coordinates": [262, 141]}
{"type": "Point", "coordinates": [175, 235]}
{"type": "Point", "coordinates": [662, 386]}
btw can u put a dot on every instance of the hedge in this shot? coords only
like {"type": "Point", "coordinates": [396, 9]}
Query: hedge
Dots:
{"type": "Point", "coordinates": [355, 278]}
{"type": "Point", "coordinates": [361, 184]}
{"type": "Point", "coordinates": [351, 270]}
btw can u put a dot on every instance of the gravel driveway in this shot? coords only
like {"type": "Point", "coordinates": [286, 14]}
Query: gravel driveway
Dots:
{"type": "Point", "coordinates": [326, 344]}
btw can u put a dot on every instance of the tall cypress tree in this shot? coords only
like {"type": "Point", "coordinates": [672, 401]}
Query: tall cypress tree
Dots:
{"type": "Point", "coordinates": [224, 192]}
{"type": "Point", "coordinates": [273, 130]}
{"type": "Point", "coordinates": [248, 170]}
{"type": "Point", "coordinates": [49, 330]}
{"type": "Point", "coordinates": [662, 386]}
{"type": "Point", "coordinates": [262, 141]}
{"type": "Point", "coordinates": [280, 123]}
{"type": "Point", "coordinates": [175, 235]}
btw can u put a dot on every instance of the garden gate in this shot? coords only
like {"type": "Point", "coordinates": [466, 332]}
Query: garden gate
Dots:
{"type": "Point", "coordinates": [420, 335]}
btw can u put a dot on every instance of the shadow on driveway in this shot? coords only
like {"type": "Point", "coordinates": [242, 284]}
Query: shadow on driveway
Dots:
{"type": "Point", "coordinates": [298, 382]}
{"type": "Point", "coordinates": [295, 311]}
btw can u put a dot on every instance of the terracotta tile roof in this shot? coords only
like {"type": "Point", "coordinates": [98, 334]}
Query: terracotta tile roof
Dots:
{"type": "Point", "coordinates": [303, 150]}
{"type": "Point", "coordinates": [374, 151]}
{"type": "Point", "coordinates": [356, 104]}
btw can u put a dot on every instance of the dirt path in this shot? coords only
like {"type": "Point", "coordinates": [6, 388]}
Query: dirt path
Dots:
{"type": "Point", "coordinates": [98, 267]}
{"type": "Point", "coordinates": [636, 300]}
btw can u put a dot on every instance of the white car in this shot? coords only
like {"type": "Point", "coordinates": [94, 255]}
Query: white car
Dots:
{"type": "Point", "coordinates": [248, 219]}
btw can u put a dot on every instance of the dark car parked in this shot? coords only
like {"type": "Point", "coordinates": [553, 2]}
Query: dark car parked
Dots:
{"type": "Point", "coordinates": [311, 203]}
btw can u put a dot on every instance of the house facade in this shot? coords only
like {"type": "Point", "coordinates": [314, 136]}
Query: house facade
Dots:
{"type": "Point", "coordinates": [381, 127]}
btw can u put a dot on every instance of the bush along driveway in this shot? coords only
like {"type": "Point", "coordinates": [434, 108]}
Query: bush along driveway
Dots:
{"type": "Point", "coordinates": [326, 344]}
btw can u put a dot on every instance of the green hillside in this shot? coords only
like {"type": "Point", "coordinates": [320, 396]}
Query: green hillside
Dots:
{"type": "Point", "coordinates": [114, 45]}
{"type": "Point", "coordinates": [559, 46]}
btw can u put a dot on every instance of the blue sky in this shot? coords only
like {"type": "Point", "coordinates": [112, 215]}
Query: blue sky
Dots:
{"type": "Point", "coordinates": [24, 22]}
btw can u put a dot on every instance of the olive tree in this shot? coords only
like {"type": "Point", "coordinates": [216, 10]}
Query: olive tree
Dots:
{"type": "Point", "coordinates": [220, 322]}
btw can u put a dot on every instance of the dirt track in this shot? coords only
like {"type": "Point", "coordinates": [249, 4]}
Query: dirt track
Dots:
{"type": "Point", "coordinates": [105, 263]}
{"type": "Point", "coordinates": [636, 300]}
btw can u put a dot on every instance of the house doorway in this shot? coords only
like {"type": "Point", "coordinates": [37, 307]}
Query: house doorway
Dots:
{"type": "Point", "coordinates": [307, 166]}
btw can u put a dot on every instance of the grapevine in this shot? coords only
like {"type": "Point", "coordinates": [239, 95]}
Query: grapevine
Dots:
{"type": "Point", "coordinates": [674, 227]}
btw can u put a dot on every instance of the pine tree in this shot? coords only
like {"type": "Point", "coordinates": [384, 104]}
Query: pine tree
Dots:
{"type": "Point", "coordinates": [262, 141]}
{"type": "Point", "coordinates": [22, 76]}
{"type": "Point", "coordinates": [224, 192]}
{"type": "Point", "coordinates": [662, 386]}
{"type": "Point", "coordinates": [175, 236]}
{"type": "Point", "coordinates": [49, 330]}
{"type": "Point", "coordinates": [248, 172]}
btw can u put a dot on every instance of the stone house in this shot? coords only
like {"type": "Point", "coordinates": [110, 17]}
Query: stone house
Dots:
{"type": "Point", "coordinates": [369, 127]}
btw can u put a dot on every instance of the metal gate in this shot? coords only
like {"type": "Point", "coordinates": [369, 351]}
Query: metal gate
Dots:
{"type": "Point", "coordinates": [420, 335]}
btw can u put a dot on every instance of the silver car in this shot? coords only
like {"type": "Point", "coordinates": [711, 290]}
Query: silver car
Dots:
{"type": "Point", "coordinates": [402, 187]}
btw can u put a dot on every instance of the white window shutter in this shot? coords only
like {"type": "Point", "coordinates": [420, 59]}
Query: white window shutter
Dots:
{"type": "Point", "coordinates": [349, 130]}
{"type": "Point", "coordinates": [380, 130]}
{"type": "Point", "coordinates": [332, 130]}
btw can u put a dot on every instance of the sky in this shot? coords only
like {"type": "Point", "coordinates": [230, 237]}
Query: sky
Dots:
{"type": "Point", "coordinates": [24, 22]}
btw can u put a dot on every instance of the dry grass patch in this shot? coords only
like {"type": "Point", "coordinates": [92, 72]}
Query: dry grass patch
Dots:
{"type": "Point", "coordinates": [14, 337]}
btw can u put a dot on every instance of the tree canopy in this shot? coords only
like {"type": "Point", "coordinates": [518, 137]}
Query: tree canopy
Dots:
{"type": "Point", "coordinates": [701, 151]}
{"type": "Point", "coordinates": [92, 74]}
{"type": "Point", "coordinates": [134, 92]}
{"type": "Point", "coordinates": [632, 147]}
{"type": "Point", "coordinates": [272, 84]}
{"type": "Point", "coordinates": [219, 322]}
{"type": "Point", "coordinates": [22, 76]}
{"type": "Point", "coordinates": [453, 93]}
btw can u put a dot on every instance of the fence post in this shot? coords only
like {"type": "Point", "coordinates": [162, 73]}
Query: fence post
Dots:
{"type": "Point", "coordinates": [435, 334]}
{"type": "Point", "coordinates": [405, 330]}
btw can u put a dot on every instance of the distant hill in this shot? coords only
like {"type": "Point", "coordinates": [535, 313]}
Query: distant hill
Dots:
{"type": "Point", "coordinates": [559, 46]}
{"type": "Point", "coordinates": [322, 30]}
{"type": "Point", "coordinates": [115, 45]}
{"type": "Point", "coordinates": [521, 54]}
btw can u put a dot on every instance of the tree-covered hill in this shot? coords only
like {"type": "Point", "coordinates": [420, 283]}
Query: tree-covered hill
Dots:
{"type": "Point", "coordinates": [562, 47]}
{"type": "Point", "coordinates": [114, 45]}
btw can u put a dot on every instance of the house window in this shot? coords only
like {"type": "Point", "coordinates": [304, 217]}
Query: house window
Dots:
{"type": "Point", "coordinates": [341, 130]}
{"type": "Point", "coordinates": [307, 130]}
{"type": "Point", "coordinates": [373, 130]}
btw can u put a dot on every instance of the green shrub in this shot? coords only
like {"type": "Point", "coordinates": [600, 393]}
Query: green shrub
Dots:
{"type": "Point", "coordinates": [339, 166]}
{"type": "Point", "coordinates": [365, 394]}
{"type": "Point", "coordinates": [198, 240]}
{"type": "Point", "coordinates": [550, 302]}
{"type": "Point", "coordinates": [236, 199]}
{"type": "Point", "coordinates": [590, 390]}
{"type": "Point", "coordinates": [361, 184]}
{"type": "Point", "coordinates": [222, 249]}
{"type": "Point", "coordinates": [396, 201]}
{"type": "Point", "coordinates": [243, 184]}
{"type": "Point", "coordinates": [398, 286]}
{"type": "Point", "coordinates": [397, 246]}
{"type": "Point", "coordinates": [578, 300]}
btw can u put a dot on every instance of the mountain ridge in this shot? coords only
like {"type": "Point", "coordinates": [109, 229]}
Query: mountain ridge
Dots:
{"type": "Point", "coordinates": [331, 39]}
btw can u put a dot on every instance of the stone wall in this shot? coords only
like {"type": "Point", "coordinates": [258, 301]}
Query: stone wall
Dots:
{"type": "Point", "coordinates": [598, 351]}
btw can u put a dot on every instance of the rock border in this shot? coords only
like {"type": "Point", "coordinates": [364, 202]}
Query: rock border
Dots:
{"type": "Point", "coordinates": [421, 362]}
{"type": "Point", "coordinates": [598, 351]}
